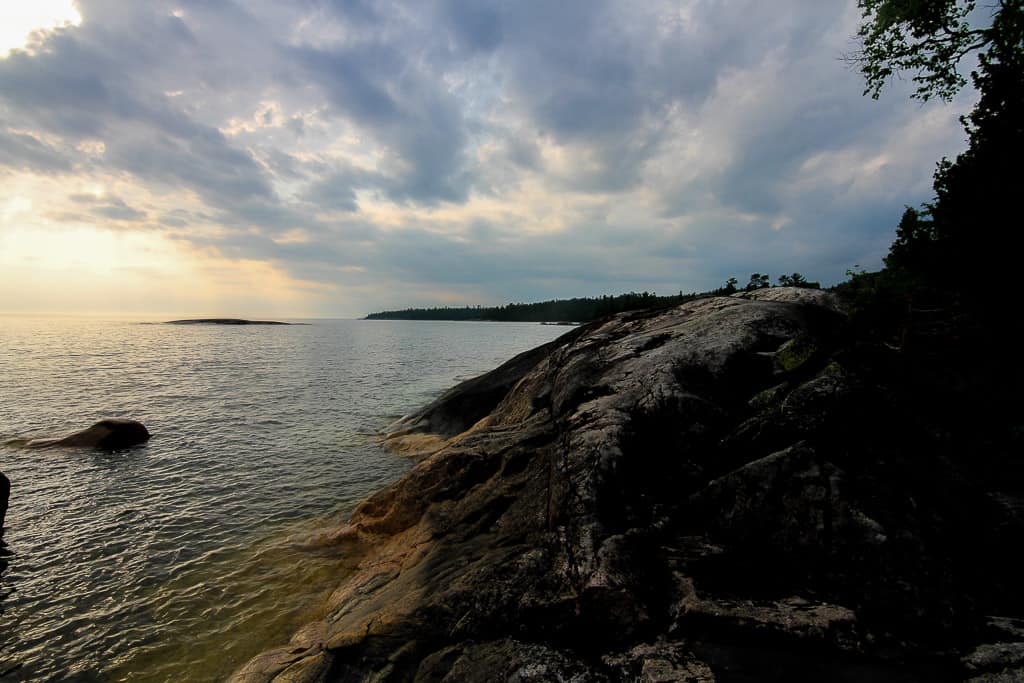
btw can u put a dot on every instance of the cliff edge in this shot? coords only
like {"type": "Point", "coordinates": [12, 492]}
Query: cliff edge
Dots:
{"type": "Point", "coordinates": [725, 490]}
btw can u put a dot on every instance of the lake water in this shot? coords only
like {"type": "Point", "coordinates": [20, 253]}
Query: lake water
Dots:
{"type": "Point", "coordinates": [180, 559]}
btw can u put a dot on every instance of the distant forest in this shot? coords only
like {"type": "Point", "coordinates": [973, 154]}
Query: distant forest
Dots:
{"type": "Point", "coordinates": [579, 309]}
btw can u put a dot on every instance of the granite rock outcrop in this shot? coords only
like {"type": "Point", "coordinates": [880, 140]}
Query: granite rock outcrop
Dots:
{"type": "Point", "coordinates": [724, 490]}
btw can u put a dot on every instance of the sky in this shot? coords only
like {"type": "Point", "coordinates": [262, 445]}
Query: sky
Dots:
{"type": "Point", "coordinates": [329, 158]}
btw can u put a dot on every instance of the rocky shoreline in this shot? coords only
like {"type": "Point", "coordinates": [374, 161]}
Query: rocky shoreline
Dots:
{"type": "Point", "coordinates": [725, 490]}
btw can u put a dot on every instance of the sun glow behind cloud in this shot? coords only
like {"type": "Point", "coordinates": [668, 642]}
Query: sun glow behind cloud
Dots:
{"type": "Point", "coordinates": [80, 246]}
{"type": "Point", "coordinates": [83, 269]}
{"type": "Point", "coordinates": [20, 19]}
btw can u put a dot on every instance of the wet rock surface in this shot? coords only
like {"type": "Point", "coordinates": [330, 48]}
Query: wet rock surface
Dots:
{"type": "Point", "coordinates": [717, 491]}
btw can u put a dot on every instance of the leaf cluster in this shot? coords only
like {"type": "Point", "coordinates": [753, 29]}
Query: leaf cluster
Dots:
{"type": "Point", "coordinates": [928, 38]}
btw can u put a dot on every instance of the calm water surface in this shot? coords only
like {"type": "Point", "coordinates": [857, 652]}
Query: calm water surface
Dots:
{"type": "Point", "coordinates": [180, 559]}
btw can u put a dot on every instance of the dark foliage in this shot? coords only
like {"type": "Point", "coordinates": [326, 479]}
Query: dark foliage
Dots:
{"type": "Point", "coordinates": [558, 310]}
{"type": "Point", "coordinates": [758, 281]}
{"type": "Point", "coordinates": [976, 211]}
{"type": "Point", "coordinates": [581, 309]}
{"type": "Point", "coordinates": [926, 37]}
{"type": "Point", "coordinates": [946, 303]}
{"type": "Point", "coordinates": [953, 258]}
{"type": "Point", "coordinates": [797, 280]}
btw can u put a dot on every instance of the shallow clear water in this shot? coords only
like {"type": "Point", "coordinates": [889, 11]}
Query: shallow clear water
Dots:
{"type": "Point", "coordinates": [180, 559]}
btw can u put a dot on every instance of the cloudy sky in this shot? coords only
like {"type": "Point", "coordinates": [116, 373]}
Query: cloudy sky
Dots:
{"type": "Point", "coordinates": [334, 157]}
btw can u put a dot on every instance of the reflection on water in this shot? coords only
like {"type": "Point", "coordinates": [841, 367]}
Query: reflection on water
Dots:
{"type": "Point", "coordinates": [181, 558]}
{"type": "Point", "coordinates": [246, 596]}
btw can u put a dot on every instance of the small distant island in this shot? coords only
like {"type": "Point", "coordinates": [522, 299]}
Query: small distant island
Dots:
{"type": "Point", "coordinates": [224, 321]}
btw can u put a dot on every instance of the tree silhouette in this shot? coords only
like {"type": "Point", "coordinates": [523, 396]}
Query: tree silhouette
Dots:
{"type": "Point", "coordinates": [915, 240]}
{"type": "Point", "coordinates": [758, 281]}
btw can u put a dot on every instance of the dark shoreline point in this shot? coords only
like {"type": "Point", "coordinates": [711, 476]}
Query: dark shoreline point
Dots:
{"type": "Point", "coordinates": [225, 321]}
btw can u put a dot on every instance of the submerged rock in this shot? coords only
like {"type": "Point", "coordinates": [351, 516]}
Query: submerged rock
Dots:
{"type": "Point", "coordinates": [658, 496]}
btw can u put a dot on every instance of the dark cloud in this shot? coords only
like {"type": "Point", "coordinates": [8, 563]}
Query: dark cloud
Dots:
{"type": "Point", "coordinates": [360, 12]}
{"type": "Point", "coordinates": [89, 83]}
{"type": "Point", "coordinates": [476, 26]}
{"type": "Point", "coordinates": [355, 80]}
{"type": "Point", "coordinates": [175, 219]}
{"type": "Point", "coordinates": [105, 207]}
{"type": "Point", "coordinates": [119, 213]}
{"type": "Point", "coordinates": [21, 151]}
{"type": "Point", "coordinates": [405, 108]}
{"type": "Point", "coordinates": [336, 191]}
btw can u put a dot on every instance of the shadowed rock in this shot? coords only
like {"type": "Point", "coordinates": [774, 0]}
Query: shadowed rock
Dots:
{"type": "Point", "coordinates": [108, 434]}
{"type": "Point", "coordinates": [716, 490]}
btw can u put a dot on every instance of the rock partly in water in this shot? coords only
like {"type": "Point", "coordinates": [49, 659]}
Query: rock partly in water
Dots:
{"type": "Point", "coordinates": [109, 434]}
{"type": "Point", "coordinates": [717, 490]}
{"type": "Point", "coordinates": [5, 496]}
{"type": "Point", "coordinates": [460, 408]}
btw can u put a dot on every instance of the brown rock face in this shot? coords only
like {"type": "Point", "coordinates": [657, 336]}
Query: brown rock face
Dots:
{"type": "Point", "coordinates": [659, 497]}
